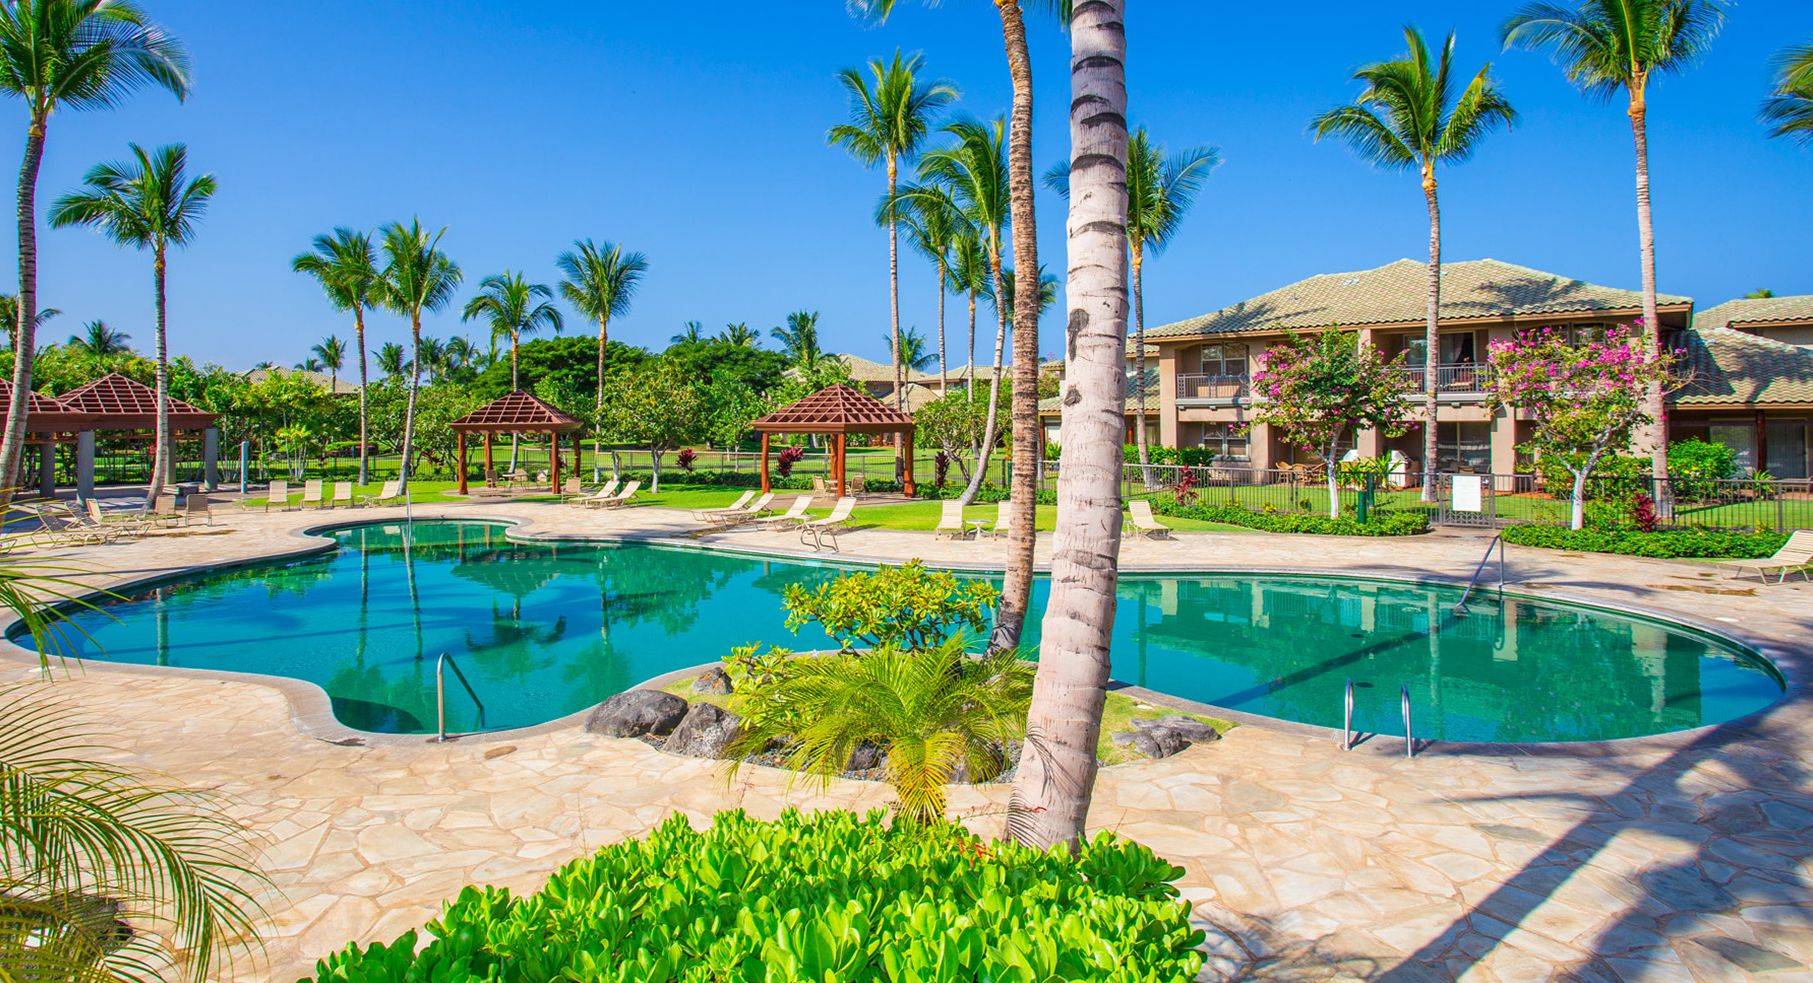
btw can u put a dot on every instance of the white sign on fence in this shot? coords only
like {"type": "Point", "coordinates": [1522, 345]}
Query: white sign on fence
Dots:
{"type": "Point", "coordinates": [1466, 493]}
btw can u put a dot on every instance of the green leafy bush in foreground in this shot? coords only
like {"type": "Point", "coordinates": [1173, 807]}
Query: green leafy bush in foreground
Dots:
{"type": "Point", "coordinates": [822, 897]}
{"type": "Point", "coordinates": [1382, 522]}
{"type": "Point", "coordinates": [1663, 544]}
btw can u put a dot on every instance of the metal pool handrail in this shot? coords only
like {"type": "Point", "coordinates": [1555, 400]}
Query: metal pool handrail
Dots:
{"type": "Point", "coordinates": [1498, 541]}
{"type": "Point", "coordinates": [1347, 719]}
{"type": "Point", "coordinates": [1409, 736]}
{"type": "Point", "coordinates": [440, 694]}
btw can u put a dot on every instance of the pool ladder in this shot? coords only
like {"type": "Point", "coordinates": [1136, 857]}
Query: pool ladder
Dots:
{"type": "Point", "coordinates": [440, 695]}
{"type": "Point", "coordinates": [1498, 543]}
{"type": "Point", "coordinates": [1347, 741]}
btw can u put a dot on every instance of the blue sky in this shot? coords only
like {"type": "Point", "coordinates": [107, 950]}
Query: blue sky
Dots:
{"type": "Point", "coordinates": [695, 133]}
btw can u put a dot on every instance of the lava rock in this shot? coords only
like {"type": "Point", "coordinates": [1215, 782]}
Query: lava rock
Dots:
{"type": "Point", "coordinates": [1195, 731]}
{"type": "Point", "coordinates": [714, 680]}
{"type": "Point", "coordinates": [1165, 736]}
{"type": "Point", "coordinates": [866, 757]}
{"type": "Point", "coordinates": [704, 732]}
{"type": "Point", "coordinates": [635, 713]}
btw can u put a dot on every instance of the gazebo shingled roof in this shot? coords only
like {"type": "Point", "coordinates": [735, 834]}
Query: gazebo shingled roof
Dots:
{"type": "Point", "coordinates": [517, 411]}
{"type": "Point", "coordinates": [839, 410]}
{"type": "Point", "coordinates": [44, 415]}
{"type": "Point", "coordinates": [119, 403]}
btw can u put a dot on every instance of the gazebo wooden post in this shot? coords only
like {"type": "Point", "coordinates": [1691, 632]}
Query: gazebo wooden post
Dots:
{"type": "Point", "coordinates": [554, 454]}
{"type": "Point", "coordinates": [578, 458]}
{"type": "Point", "coordinates": [459, 458]}
{"type": "Point", "coordinates": [837, 466]}
{"type": "Point", "coordinates": [906, 442]}
{"type": "Point", "coordinates": [489, 467]}
{"type": "Point", "coordinates": [765, 488]}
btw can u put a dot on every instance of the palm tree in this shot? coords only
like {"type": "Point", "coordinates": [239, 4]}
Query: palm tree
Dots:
{"type": "Point", "coordinates": [1048, 291]}
{"type": "Point", "coordinates": [66, 54]}
{"type": "Point", "coordinates": [9, 316]}
{"type": "Point", "coordinates": [600, 281]}
{"type": "Point", "coordinates": [432, 353]}
{"type": "Point", "coordinates": [1605, 46]}
{"type": "Point", "coordinates": [348, 271]}
{"type": "Point", "coordinates": [1789, 109]}
{"type": "Point", "coordinates": [331, 353]}
{"type": "Point", "coordinates": [417, 277]}
{"type": "Point", "coordinates": [933, 228]}
{"type": "Point", "coordinates": [969, 275]}
{"type": "Point", "coordinates": [1407, 118]}
{"type": "Point", "coordinates": [459, 354]}
{"type": "Point", "coordinates": [970, 177]}
{"type": "Point", "coordinates": [393, 361]}
{"type": "Point", "coordinates": [887, 123]}
{"type": "Point", "coordinates": [913, 351]}
{"type": "Point", "coordinates": [1056, 776]}
{"type": "Point", "coordinates": [511, 307]}
{"type": "Point", "coordinates": [740, 334]}
{"type": "Point", "coordinates": [691, 334]}
{"type": "Point", "coordinates": [99, 339]}
{"type": "Point", "coordinates": [310, 364]}
{"type": "Point", "coordinates": [799, 339]}
{"type": "Point", "coordinates": [147, 202]}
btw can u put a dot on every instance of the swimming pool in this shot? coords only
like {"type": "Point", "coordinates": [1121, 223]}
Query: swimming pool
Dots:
{"type": "Point", "coordinates": [544, 630]}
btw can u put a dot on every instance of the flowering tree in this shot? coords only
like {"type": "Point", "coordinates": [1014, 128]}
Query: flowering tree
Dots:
{"type": "Point", "coordinates": [1319, 388]}
{"type": "Point", "coordinates": [657, 405]}
{"type": "Point", "coordinates": [1586, 400]}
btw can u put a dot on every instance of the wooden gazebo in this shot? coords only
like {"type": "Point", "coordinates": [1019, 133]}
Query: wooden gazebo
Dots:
{"type": "Point", "coordinates": [520, 413]}
{"type": "Point", "coordinates": [838, 411]}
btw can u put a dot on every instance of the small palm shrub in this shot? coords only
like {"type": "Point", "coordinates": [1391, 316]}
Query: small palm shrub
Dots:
{"type": "Point", "coordinates": [827, 896]}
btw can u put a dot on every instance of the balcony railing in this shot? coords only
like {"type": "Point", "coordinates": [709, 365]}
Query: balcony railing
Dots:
{"type": "Point", "coordinates": [1456, 377]}
{"type": "Point", "coordinates": [1224, 387]}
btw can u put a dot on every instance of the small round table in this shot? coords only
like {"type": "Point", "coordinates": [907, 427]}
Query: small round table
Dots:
{"type": "Point", "coordinates": [976, 527]}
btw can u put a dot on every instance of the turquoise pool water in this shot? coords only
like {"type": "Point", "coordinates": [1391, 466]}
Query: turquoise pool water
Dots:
{"type": "Point", "coordinates": [544, 630]}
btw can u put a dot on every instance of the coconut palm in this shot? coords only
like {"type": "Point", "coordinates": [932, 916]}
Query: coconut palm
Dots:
{"type": "Point", "coordinates": [969, 276]}
{"type": "Point", "coordinates": [393, 361]}
{"type": "Point", "coordinates": [510, 307]}
{"type": "Point", "coordinates": [1409, 118]}
{"type": "Point", "coordinates": [310, 364]}
{"type": "Point", "coordinates": [1607, 46]}
{"type": "Point", "coordinates": [148, 202]}
{"type": "Point", "coordinates": [1789, 109]}
{"type": "Point", "coordinates": [932, 228]}
{"type": "Point", "coordinates": [97, 338]}
{"type": "Point", "coordinates": [459, 354]}
{"type": "Point", "coordinates": [692, 333]}
{"type": "Point", "coordinates": [1056, 776]}
{"type": "Point", "coordinates": [1048, 291]}
{"type": "Point", "coordinates": [799, 339]}
{"type": "Point", "coordinates": [432, 353]}
{"type": "Point", "coordinates": [66, 54]}
{"type": "Point", "coordinates": [600, 280]}
{"type": "Point", "coordinates": [888, 120]}
{"type": "Point", "coordinates": [331, 353]}
{"type": "Point", "coordinates": [347, 269]}
{"type": "Point", "coordinates": [9, 315]}
{"type": "Point", "coordinates": [418, 277]}
{"type": "Point", "coordinates": [913, 352]}
{"type": "Point", "coordinates": [739, 334]}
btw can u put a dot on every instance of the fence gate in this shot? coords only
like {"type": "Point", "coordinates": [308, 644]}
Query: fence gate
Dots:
{"type": "Point", "coordinates": [1469, 500]}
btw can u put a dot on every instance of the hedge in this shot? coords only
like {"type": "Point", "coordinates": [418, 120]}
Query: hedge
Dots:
{"type": "Point", "coordinates": [827, 896]}
{"type": "Point", "coordinates": [1663, 544]}
{"type": "Point", "coordinates": [1382, 522]}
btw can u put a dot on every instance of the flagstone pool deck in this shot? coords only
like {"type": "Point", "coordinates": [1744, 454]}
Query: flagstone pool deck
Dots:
{"type": "Point", "coordinates": [1681, 857]}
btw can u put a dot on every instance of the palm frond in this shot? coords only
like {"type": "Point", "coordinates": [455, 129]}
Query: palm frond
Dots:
{"type": "Point", "coordinates": [1789, 110]}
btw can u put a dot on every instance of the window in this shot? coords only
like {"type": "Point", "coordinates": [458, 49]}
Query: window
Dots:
{"type": "Point", "coordinates": [1225, 439]}
{"type": "Point", "coordinates": [1740, 437]}
{"type": "Point", "coordinates": [1463, 447]}
{"type": "Point", "coordinates": [1223, 360]}
{"type": "Point", "coordinates": [1456, 349]}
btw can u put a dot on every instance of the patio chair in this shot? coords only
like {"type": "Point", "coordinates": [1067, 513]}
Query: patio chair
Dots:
{"type": "Point", "coordinates": [277, 494]}
{"type": "Point", "coordinates": [163, 511]}
{"type": "Point", "coordinates": [726, 518]}
{"type": "Point", "coordinates": [56, 525]}
{"type": "Point", "coordinates": [818, 529]}
{"type": "Point", "coordinates": [605, 492]}
{"type": "Point", "coordinates": [794, 512]}
{"type": "Point", "coordinates": [818, 484]}
{"type": "Point", "coordinates": [571, 489]}
{"type": "Point", "coordinates": [389, 491]}
{"type": "Point", "coordinates": [1795, 555]}
{"type": "Point", "coordinates": [197, 506]}
{"type": "Point", "coordinates": [343, 495]}
{"type": "Point", "coordinates": [618, 500]}
{"type": "Point", "coordinates": [123, 525]}
{"type": "Point", "coordinates": [710, 515]}
{"type": "Point", "coordinates": [311, 493]}
{"type": "Point", "coordinates": [950, 521]}
{"type": "Point", "coordinates": [1144, 522]}
{"type": "Point", "coordinates": [1004, 520]}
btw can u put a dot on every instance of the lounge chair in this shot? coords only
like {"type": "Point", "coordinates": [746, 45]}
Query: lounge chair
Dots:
{"type": "Point", "coordinates": [58, 525]}
{"type": "Point", "coordinates": [1004, 520]}
{"type": "Point", "coordinates": [196, 505]}
{"type": "Point", "coordinates": [726, 518]}
{"type": "Point", "coordinates": [571, 489]}
{"type": "Point", "coordinates": [343, 495]}
{"type": "Point", "coordinates": [277, 494]}
{"type": "Point", "coordinates": [389, 491]}
{"type": "Point", "coordinates": [794, 512]}
{"type": "Point", "coordinates": [163, 511]}
{"type": "Point", "coordinates": [605, 492]}
{"type": "Point", "coordinates": [818, 529]}
{"type": "Point", "coordinates": [123, 525]}
{"type": "Point", "coordinates": [711, 515]}
{"type": "Point", "coordinates": [311, 493]}
{"type": "Point", "coordinates": [950, 521]}
{"type": "Point", "coordinates": [1144, 522]}
{"type": "Point", "coordinates": [618, 500]}
{"type": "Point", "coordinates": [1795, 554]}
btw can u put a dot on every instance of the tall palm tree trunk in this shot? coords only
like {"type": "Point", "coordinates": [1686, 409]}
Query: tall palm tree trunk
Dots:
{"type": "Point", "coordinates": [1016, 589]}
{"type": "Point", "coordinates": [1431, 336]}
{"type": "Point", "coordinates": [161, 463]}
{"type": "Point", "coordinates": [1136, 252]}
{"type": "Point", "coordinates": [604, 330]}
{"type": "Point", "coordinates": [894, 314]}
{"type": "Point", "coordinates": [1056, 777]}
{"type": "Point", "coordinates": [971, 370]}
{"type": "Point", "coordinates": [994, 386]}
{"type": "Point", "coordinates": [25, 336]}
{"type": "Point", "coordinates": [944, 364]}
{"type": "Point", "coordinates": [1656, 433]}
{"type": "Point", "coordinates": [364, 384]}
{"type": "Point", "coordinates": [515, 439]}
{"type": "Point", "coordinates": [415, 385]}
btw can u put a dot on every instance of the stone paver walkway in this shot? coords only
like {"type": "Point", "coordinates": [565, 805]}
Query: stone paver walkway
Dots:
{"type": "Point", "coordinates": [1681, 857]}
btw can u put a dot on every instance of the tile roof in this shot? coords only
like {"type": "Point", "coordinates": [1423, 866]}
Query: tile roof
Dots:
{"type": "Point", "coordinates": [835, 409]}
{"type": "Point", "coordinates": [1050, 406]}
{"type": "Point", "coordinates": [339, 386]}
{"type": "Point", "coordinates": [120, 400]}
{"type": "Point", "coordinates": [1756, 309]}
{"type": "Point", "coordinates": [1397, 292]}
{"type": "Point", "coordinates": [1738, 368]}
{"type": "Point", "coordinates": [516, 410]}
{"type": "Point", "coordinates": [868, 370]}
{"type": "Point", "coordinates": [42, 413]}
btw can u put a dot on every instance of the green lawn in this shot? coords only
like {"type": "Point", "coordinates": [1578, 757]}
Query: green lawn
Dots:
{"type": "Point", "coordinates": [910, 516]}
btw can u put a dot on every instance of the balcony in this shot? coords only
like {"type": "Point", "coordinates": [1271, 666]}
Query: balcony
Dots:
{"type": "Point", "coordinates": [1455, 379]}
{"type": "Point", "coordinates": [1198, 390]}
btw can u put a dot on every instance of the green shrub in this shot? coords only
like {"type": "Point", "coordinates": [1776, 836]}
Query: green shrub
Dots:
{"type": "Point", "coordinates": [1697, 466]}
{"type": "Point", "coordinates": [906, 605]}
{"type": "Point", "coordinates": [1615, 476]}
{"type": "Point", "coordinates": [1382, 522]}
{"type": "Point", "coordinates": [1664, 544]}
{"type": "Point", "coordinates": [829, 896]}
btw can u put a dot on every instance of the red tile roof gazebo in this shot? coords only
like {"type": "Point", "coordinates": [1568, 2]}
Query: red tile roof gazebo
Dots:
{"type": "Point", "coordinates": [43, 415]}
{"type": "Point", "coordinates": [839, 411]}
{"type": "Point", "coordinates": [516, 412]}
{"type": "Point", "coordinates": [120, 403]}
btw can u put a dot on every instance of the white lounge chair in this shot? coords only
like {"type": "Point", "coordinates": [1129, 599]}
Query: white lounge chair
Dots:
{"type": "Point", "coordinates": [1004, 520]}
{"type": "Point", "coordinates": [736, 516]}
{"type": "Point", "coordinates": [277, 494]}
{"type": "Point", "coordinates": [950, 521]}
{"type": "Point", "coordinates": [122, 524]}
{"type": "Point", "coordinates": [613, 501]}
{"type": "Point", "coordinates": [311, 493]}
{"type": "Point", "coordinates": [605, 491]}
{"type": "Point", "coordinates": [818, 529]}
{"type": "Point", "coordinates": [794, 512]}
{"type": "Point", "coordinates": [343, 495]}
{"type": "Point", "coordinates": [1795, 554]}
{"type": "Point", "coordinates": [1144, 522]}
{"type": "Point", "coordinates": [389, 491]}
{"type": "Point", "coordinates": [711, 515]}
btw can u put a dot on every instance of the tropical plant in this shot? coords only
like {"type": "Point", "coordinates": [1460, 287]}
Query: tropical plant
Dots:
{"type": "Point", "coordinates": [799, 339]}
{"type": "Point", "coordinates": [347, 270]}
{"type": "Point", "coordinates": [969, 276]}
{"type": "Point", "coordinates": [913, 352]}
{"type": "Point", "coordinates": [1048, 291]}
{"type": "Point", "coordinates": [600, 281]}
{"type": "Point", "coordinates": [692, 333]}
{"type": "Point", "coordinates": [393, 359]}
{"type": "Point", "coordinates": [740, 335]}
{"type": "Point", "coordinates": [510, 307]}
{"type": "Point", "coordinates": [97, 338]}
{"type": "Point", "coordinates": [906, 605]}
{"type": "Point", "coordinates": [1056, 777]}
{"type": "Point", "coordinates": [431, 352]}
{"type": "Point", "coordinates": [9, 316]}
{"type": "Point", "coordinates": [66, 54]}
{"type": "Point", "coordinates": [933, 226]}
{"type": "Point", "coordinates": [1607, 46]}
{"type": "Point", "coordinates": [330, 352]}
{"type": "Point", "coordinates": [418, 277]}
{"type": "Point", "coordinates": [888, 121]}
{"type": "Point", "coordinates": [656, 404]}
{"type": "Point", "coordinates": [149, 202]}
{"type": "Point", "coordinates": [1789, 108]}
{"type": "Point", "coordinates": [1409, 117]}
